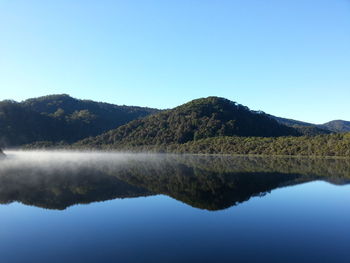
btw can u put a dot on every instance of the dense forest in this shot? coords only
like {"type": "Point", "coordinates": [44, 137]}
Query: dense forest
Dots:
{"type": "Point", "coordinates": [207, 125]}
{"type": "Point", "coordinates": [198, 119]}
{"type": "Point", "coordinates": [58, 118]}
{"type": "Point", "coordinates": [320, 145]}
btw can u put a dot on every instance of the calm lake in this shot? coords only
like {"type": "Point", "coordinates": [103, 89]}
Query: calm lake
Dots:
{"type": "Point", "coordinates": [114, 207]}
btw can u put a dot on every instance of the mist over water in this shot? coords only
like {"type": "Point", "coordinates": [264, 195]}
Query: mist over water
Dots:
{"type": "Point", "coordinates": [59, 179]}
{"type": "Point", "coordinates": [69, 161]}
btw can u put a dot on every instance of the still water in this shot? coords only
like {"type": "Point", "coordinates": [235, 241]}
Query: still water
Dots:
{"type": "Point", "coordinates": [113, 207]}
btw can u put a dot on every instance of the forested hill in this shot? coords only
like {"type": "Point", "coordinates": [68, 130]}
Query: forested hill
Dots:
{"type": "Point", "coordinates": [198, 119]}
{"type": "Point", "coordinates": [57, 118]}
{"type": "Point", "coordinates": [337, 126]}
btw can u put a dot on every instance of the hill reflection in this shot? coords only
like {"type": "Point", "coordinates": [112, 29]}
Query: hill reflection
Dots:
{"type": "Point", "coordinates": [212, 183]}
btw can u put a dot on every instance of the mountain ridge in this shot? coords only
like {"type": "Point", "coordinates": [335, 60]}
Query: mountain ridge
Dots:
{"type": "Point", "coordinates": [337, 126]}
{"type": "Point", "coordinates": [328, 127]}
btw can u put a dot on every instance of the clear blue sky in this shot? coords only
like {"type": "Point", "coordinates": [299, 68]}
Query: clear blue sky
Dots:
{"type": "Point", "coordinates": [290, 58]}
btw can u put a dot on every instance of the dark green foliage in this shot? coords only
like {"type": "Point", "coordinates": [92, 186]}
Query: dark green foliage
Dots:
{"type": "Point", "coordinates": [61, 118]}
{"type": "Point", "coordinates": [311, 130]}
{"type": "Point", "coordinates": [322, 145]}
{"type": "Point", "coordinates": [45, 145]}
{"type": "Point", "coordinates": [198, 119]}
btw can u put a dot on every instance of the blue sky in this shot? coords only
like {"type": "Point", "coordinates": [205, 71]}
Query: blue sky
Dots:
{"type": "Point", "coordinates": [290, 58]}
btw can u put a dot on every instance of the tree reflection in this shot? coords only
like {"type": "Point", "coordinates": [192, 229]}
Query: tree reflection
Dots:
{"type": "Point", "coordinates": [206, 182]}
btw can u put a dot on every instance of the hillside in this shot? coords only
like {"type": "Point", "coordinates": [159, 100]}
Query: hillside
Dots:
{"type": "Point", "coordinates": [198, 119]}
{"type": "Point", "coordinates": [337, 126]}
{"type": "Point", "coordinates": [57, 118]}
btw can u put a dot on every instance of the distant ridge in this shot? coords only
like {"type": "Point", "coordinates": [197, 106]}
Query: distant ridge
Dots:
{"type": "Point", "coordinates": [291, 122]}
{"type": "Point", "coordinates": [337, 126]}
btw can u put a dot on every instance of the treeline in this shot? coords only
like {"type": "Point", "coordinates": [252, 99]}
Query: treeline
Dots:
{"type": "Point", "coordinates": [321, 145]}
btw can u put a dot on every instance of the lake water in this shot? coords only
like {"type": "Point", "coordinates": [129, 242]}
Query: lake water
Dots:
{"type": "Point", "coordinates": [110, 207]}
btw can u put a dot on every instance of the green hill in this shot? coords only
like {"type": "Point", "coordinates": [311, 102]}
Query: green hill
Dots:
{"type": "Point", "coordinates": [198, 119]}
{"type": "Point", "coordinates": [61, 118]}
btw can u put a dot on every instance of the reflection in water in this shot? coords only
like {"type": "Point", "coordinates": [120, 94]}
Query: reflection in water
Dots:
{"type": "Point", "coordinates": [59, 180]}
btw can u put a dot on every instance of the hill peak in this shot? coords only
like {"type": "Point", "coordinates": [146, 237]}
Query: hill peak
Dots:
{"type": "Point", "coordinates": [337, 121]}
{"type": "Point", "coordinates": [212, 100]}
{"type": "Point", "coordinates": [197, 119]}
{"type": "Point", "coordinates": [49, 98]}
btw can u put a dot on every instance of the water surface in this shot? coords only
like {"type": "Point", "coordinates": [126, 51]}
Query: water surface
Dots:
{"type": "Point", "coordinates": [104, 207]}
